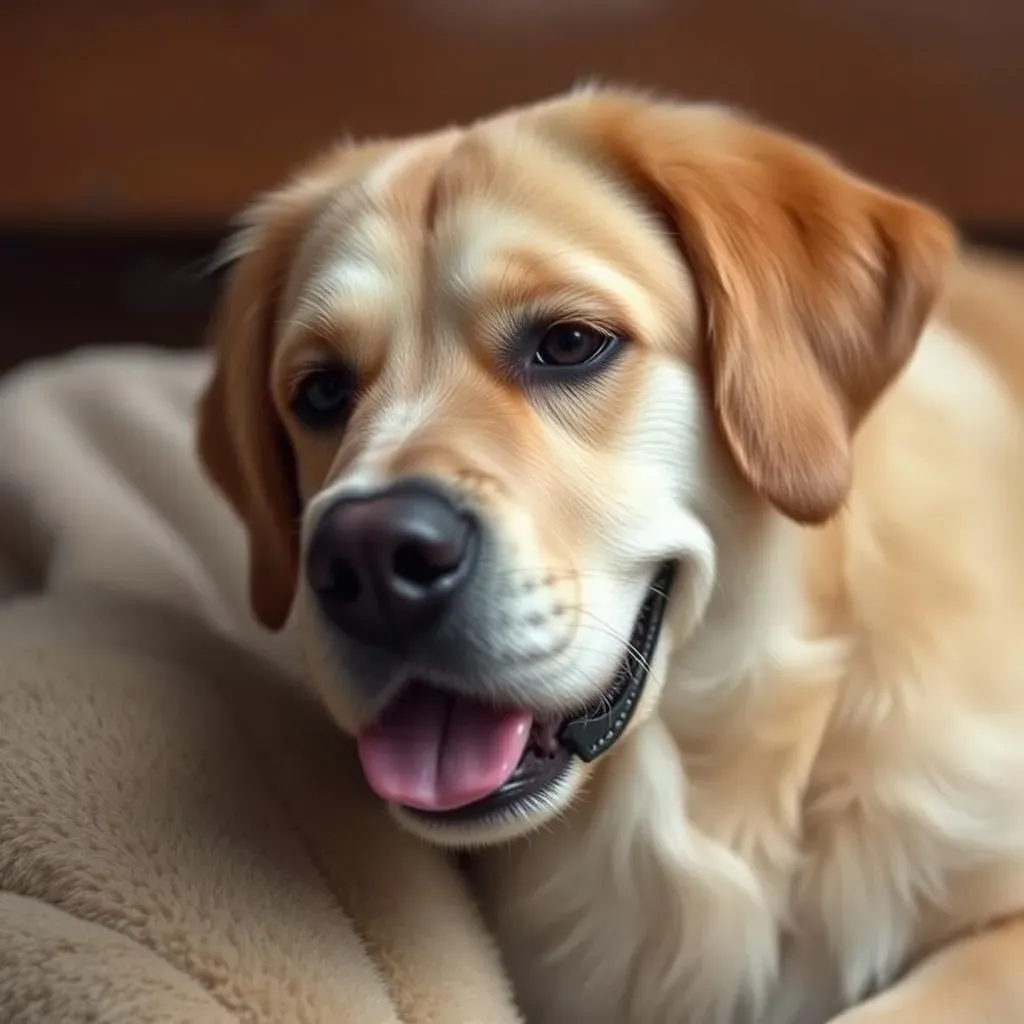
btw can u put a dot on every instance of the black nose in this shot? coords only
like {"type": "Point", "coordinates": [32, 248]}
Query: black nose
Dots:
{"type": "Point", "coordinates": [386, 565]}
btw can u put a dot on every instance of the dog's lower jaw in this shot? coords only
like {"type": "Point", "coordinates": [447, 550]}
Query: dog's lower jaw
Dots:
{"type": "Point", "coordinates": [500, 830]}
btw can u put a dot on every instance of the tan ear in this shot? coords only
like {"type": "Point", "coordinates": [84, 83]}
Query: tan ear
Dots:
{"type": "Point", "coordinates": [816, 284]}
{"type": "Point", "coordinates": [241, 441]}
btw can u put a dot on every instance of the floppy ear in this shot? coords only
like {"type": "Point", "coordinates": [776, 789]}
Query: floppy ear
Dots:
{"type": "Point", "coordinates": [816, 284]}
{"type": "Point", "coordinates": [241, 441]}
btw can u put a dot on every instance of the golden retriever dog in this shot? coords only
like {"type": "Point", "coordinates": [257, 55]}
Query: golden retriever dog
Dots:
{"type": "Point", "coordinates": [645, 516]}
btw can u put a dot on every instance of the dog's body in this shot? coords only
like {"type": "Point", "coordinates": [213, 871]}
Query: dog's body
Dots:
{"type": "Point", "coordinates": [817, 819]}
{"type": "Point", "coordinates": [820, 795]}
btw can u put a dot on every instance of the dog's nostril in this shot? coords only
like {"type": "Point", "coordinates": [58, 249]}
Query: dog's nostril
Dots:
{"type": "Point", "coordinates": [420, 563]}
{"type": "Point", "coordinates": [345, 585]}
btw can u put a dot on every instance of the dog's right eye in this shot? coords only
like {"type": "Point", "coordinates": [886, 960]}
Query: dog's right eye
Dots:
{"type": "Point", "coordinates": [323, 398]}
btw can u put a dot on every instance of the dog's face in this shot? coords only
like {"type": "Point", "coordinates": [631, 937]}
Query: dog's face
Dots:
{"type": "Point", "coordinates": [476, 389]}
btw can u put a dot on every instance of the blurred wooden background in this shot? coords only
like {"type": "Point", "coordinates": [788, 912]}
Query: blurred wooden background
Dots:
{"type": "Point", "coordinates": [163, 111]}
{"type": "Point", "coordinates": [160, 119]}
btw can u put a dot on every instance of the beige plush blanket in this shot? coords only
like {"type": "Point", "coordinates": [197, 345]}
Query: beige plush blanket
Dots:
{"type": "Point", "coordinates": [183, 835]}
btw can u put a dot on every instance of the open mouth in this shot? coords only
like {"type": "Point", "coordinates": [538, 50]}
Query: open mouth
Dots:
{"type": "Point", "coordinates": [450, 757]}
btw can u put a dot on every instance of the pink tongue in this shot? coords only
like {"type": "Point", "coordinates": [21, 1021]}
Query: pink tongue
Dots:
{"type": "Point", "coordinates": [436, 752]}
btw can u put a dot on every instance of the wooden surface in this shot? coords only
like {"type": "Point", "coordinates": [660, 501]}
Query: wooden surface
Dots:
{"type": "Point", "coordinates": [167, 112]}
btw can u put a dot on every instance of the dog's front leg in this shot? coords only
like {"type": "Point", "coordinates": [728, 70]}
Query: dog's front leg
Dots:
{"type": "Point", "coordinates": [976, 980]}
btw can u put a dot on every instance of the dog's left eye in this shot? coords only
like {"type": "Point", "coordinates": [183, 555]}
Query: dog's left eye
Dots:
{"type": "Point", "coordinates": [323, 397]}
{"type": "Point", "coordinates": [572, 344]}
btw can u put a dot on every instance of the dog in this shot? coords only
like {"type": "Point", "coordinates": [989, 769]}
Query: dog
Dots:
{"type": "Point", "coordinates": [659, 537]}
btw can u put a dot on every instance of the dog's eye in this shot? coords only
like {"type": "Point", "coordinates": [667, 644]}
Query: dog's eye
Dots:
{"type": "Point", "coordinates": [572, 344]}
{"type": "Point", "coordinates": [323, 397]}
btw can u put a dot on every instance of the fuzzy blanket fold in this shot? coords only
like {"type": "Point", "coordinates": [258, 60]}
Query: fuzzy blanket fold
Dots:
{"type": "Point", "coordinates": [183, 834]}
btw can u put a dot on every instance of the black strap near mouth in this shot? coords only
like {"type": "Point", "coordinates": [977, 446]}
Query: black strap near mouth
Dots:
{"type": "Point", "coordinates": [589, 736]}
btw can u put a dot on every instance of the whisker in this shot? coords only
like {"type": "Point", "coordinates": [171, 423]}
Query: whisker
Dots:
{"type": "Point", "coordinates": [563, 574]}
{"type": "Point", "coordinates": [629, 646]}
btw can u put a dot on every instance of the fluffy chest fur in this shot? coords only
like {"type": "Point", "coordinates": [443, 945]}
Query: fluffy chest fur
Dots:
{"type": "Point", "coordinates": [773, 848]}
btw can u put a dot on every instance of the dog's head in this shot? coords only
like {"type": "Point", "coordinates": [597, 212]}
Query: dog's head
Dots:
{"type": "Point", "coordinates": [477, 390]}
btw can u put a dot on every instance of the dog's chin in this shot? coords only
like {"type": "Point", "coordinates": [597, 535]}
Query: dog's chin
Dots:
{"type": "Point", "coordinates": [500, 823]}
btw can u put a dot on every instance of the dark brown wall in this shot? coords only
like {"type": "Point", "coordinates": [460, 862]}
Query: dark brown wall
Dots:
{"type": "Point", "coordinates": [155, 112]}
